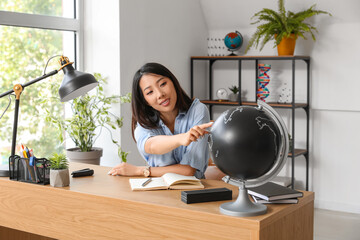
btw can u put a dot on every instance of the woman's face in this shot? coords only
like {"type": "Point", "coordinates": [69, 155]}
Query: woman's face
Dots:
{"type": "Point", "coordinates": [159, 92]}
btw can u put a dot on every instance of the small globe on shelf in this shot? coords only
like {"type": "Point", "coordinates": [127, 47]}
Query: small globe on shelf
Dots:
{"type": "Point", "coordinates": [233, 41]}
{"type": "Point", "coordinates": [250, 145]}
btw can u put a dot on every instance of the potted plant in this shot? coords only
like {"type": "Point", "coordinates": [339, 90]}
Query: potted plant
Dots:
{"type": "Point", "coordinates": [283, 27]}
{"type": "Point", "coordinates": [59, 171]}
{"type": "Point", "coordinates": [90, 114]}
{"type": "Point", "coordinates": [234, 95]}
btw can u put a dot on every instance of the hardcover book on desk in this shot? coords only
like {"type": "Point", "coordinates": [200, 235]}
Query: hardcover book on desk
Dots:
{"type": "Point", "coordinates": [272, 191]}
{"type": "Point", "coordinates": [280, 201]}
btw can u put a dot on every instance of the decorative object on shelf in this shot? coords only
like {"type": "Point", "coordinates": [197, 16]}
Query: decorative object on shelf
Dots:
{"type": "Point", "coordinates": [90, 112]}
{"type": "Point", "coordinates": [285, 95]}
{"type": "Point", "coordinates": [216, 47]}
{"type": "Point", "coordinates": [262, 81]}
{"type": "Point", "coordinates": [222, 94]}
{"type": "Point", "coordinates": [282, 25]}
{"type": "Point", "coordinates": [250, 145]}
{"type": "Point", "coordinates": [74, 84]}
{"type": "Point", "coordinates": [233, 41]}
{"type": "Point", "coordinates": [59, 171]}
{"type": "Point", "coordinates": [291, 142]}
{"type": "Point", "coordinates": [234, 95]}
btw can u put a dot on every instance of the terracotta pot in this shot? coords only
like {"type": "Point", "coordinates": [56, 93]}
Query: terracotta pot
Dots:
{"type": "Point", "coordinates": [287, 45]}
{"type": "Point", "coordinates": [92, 157]}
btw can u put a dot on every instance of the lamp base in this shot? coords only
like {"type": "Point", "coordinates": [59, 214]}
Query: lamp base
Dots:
{"type": "Point", "coordinates": [242, 207]}
{"type": "Point", "coordinates": [4, 170]}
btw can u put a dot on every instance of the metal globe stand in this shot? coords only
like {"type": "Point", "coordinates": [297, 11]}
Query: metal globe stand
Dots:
{"type": "Point", "coordinates": [243, 206]}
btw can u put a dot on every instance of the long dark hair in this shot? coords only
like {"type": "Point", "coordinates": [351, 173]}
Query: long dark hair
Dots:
{"type": "Point", "coordinates": [144, 114]}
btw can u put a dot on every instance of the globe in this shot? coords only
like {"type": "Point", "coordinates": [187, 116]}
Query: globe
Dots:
{"type": "Point", "coordinates": [233, 41]}
{"type": "Point", "coordinates": [250, 145]}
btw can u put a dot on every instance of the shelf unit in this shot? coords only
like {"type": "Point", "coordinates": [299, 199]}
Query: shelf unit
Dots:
{"type": "Point", "coordinates": [293, 153]}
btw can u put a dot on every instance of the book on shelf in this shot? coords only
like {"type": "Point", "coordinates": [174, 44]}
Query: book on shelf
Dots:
{"type": "Point", "coordinates": [166, 181]}
{"type": "Point", "coordinates": [288, 200]}
{"type": "Point", "coordinates": [271, 191]}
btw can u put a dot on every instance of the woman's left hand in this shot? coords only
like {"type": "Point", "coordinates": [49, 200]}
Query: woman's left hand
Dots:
{"type": "Point", "coordinates": [125, 169]}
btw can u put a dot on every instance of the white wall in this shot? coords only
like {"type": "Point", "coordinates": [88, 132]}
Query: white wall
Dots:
{"type": "Point", "coordinates": [335, 112]}
{"type": "Point", "coordinates": [102, 55]}
{"type": "Point", "coordinates": [164, 31]}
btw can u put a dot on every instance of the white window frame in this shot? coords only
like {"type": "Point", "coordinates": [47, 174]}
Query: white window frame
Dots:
{"type": "Point", "coordinates": [51, 23]}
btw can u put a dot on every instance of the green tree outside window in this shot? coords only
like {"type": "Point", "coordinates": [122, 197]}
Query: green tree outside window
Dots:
{"type": "Point", "coordinates": [24, 52]}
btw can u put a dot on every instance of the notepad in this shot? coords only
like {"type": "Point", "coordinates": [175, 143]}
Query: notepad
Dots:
{"type": "Point", "coordinates": [167, 181]}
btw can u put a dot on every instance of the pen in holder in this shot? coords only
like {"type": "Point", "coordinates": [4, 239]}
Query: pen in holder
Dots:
{"type": "Point", "coordinates": [31, 170]}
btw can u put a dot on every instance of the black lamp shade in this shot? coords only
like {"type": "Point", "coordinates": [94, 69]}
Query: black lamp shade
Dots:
{"type": "Point", "coordinates": [75, 83]}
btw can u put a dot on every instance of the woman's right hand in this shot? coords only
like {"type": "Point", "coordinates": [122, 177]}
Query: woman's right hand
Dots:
{"type": "Point", "coordinates": [195, 133]}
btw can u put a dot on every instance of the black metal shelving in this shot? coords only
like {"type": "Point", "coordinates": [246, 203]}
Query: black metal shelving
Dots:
{"type": "Point", "coordinates": [291, 106]}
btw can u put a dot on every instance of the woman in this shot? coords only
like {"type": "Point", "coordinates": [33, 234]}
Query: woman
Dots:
{"type": "Point", "coordinates": [168, 126]}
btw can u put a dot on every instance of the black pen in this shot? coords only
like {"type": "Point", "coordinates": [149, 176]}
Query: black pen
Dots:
{"type": "Point", "coordinates": [146, 182]}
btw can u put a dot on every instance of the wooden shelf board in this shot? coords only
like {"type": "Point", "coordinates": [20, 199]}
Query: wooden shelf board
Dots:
{"type": "Point", "coordinates": [298, 152]}
{"type": "Point", "coordinates": [287, 57]}
{"type": "Point", "coordinates": [273, 104]}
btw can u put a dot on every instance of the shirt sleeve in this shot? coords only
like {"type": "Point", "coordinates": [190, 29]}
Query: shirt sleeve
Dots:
{"type": "Point", "coordinates": [197, 153]}
{"type": "Point", "coordinates": [141, 136]}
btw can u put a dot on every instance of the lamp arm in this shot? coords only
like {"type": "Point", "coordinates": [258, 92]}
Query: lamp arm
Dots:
{"type": "Point", "coordinates": [31, 82]}
{"type": "Point", "coordinates": [6, 93]}
{"type": "Point", "coordinates": [18, 88]}
{"type": "Point", "coordinates": [40, 78]}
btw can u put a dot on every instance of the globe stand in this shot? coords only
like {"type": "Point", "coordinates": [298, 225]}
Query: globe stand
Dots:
{"type": "Point", "coordinates": [232, 53]}
{"type": "Point", "coordinates": [243, 206]}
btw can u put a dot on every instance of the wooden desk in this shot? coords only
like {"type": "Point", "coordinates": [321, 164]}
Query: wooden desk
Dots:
{"type": "Point", "coordinates": [104, 207]}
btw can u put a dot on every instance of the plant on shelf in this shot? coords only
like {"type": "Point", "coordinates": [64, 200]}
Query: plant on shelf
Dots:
{"type": "Point", "coordinates": [234, 89]}
{"type": "Point", "coordinates": [282, 27]}
{"type": "Point", "coordinates": [59, 171]}
{"type": "Point", "coordinates": [90, 114]}
{"type": "Point", "coordinates": [234, 95]}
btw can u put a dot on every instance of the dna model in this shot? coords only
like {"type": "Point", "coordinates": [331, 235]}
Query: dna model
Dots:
{"type": "Point", "coordinates": [262, 81]}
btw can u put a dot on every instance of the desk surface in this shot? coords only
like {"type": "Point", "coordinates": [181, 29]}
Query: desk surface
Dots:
{"type": "Point", "coordinates": [103, 206]}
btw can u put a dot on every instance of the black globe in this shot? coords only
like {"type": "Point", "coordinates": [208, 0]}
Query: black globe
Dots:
{"type": "Point", "coordinates": [245, 142]}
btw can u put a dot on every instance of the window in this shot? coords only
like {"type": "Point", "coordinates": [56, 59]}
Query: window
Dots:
{"type": "Point", "coordinates": [27, 41]}
{"type": "Point", "coordinates": [60, 8]}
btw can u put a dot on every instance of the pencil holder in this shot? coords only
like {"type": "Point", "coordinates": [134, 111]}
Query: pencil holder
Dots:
{"type": "Point", "coordinates": [31, 170]}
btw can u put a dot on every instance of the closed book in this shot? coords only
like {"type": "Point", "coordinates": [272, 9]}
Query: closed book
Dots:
{"type": "Point", "coordinates": [206, 195]}
{"type": "Point", "coordinates": [271, 191]}
{"type": "Point", "coordinates": [288, 200]}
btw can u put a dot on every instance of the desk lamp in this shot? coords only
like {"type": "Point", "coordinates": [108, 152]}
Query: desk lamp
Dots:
{"type": "Point", "coordinates": [74, 84]}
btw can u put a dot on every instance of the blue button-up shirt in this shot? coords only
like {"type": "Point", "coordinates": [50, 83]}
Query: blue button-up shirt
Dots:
{"type": "Point", "coordinates": [196, 154]}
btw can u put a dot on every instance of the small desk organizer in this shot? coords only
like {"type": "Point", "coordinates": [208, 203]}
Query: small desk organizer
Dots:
{"type": "Point", "coordinates": [31, 170]}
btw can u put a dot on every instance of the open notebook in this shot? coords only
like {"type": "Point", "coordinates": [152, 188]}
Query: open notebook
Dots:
{"type": "Point", "coordinates": [167, 181]}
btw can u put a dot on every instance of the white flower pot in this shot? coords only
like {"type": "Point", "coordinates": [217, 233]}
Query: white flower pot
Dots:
{"type": "Point", "coordinates": [59, 178]}
{"type": "Point", "coordinates": [234, 97]}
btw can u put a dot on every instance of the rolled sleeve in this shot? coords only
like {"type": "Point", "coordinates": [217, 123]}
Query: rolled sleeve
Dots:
{"type": "Point", "coordinates": [141, 136]}
{"type": "Point", "coordinates": [197, 153]}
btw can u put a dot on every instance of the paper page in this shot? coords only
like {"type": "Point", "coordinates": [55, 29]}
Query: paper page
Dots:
{"type": "Point", "coordinates": [155, 183]}
{"type": "Point", "coordinates": [173, 178]}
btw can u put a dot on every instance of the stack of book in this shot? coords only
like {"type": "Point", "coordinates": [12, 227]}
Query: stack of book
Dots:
{"type": "Point", "coordinates": [274, 193]}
